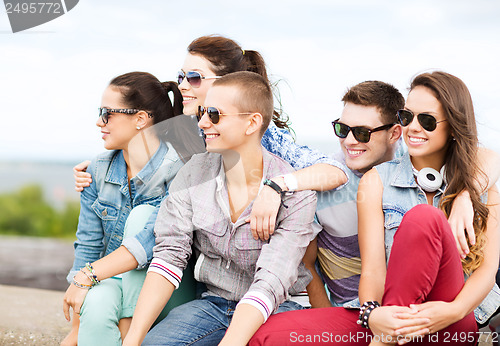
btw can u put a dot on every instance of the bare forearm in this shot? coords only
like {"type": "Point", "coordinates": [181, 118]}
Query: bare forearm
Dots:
{"type": "Point", "coordinates": [246, 321]}
{"type": "Point", "coordinates": [117, 262]}
{"type": "Point", "coordinates": [371, 287]}
{"type": "Point", "coordinates": [472, 294]}
{"type": "Point", "coordinates": [317, 293]}
{"type": "Point", "coordinates": [318, 177]}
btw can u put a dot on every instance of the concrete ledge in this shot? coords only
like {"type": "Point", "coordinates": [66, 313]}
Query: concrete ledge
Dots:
{"type": "Point", "coordinates": [31, 316]}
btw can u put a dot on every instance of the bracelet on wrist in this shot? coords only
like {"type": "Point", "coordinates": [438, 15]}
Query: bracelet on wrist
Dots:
{"type": "Point", "coordinates": [365, 311]}
{"type": "Point", "coordinates": [92, 276]}
{"type": "Point", "coordinates": [276, 188]}
{"type": "Point", "coordinates": [88, 275]}
{"type": "Point", "coordinates": [79, 285]}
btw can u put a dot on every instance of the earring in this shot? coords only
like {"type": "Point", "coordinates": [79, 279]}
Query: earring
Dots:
{"type": "Point", "coordinates": [138, 127]}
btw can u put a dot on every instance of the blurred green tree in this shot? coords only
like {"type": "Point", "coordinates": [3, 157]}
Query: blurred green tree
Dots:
{"type": "Point", "coordinates": [25, 212]}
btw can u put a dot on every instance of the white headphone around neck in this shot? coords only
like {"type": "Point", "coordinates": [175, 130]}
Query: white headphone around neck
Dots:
{"type": "Point", "coordinates": [429, 179]}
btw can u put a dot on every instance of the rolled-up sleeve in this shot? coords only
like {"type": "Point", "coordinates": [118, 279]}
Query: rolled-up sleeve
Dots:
{"type": "Point", "coordinates": [141, 245]}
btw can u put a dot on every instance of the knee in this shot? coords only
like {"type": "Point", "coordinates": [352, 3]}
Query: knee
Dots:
{"type": "Point", "coordinates": [137, 219]}
{"type": "Point", "coordinates": [423, 220]}
{"type": "Point", "coordinates": [99, 308]}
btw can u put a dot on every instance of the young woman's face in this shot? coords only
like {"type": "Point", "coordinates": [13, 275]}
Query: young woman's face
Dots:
{"type": "Point", "coordinates": [195, 96]}
{"type": "Point", "coordinates": [429, 145]}
{"type": "Point", "coordinates": [121, 128]}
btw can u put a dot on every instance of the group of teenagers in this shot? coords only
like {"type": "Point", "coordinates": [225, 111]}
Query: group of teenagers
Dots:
{"type": "Point", "coordinates": [204, 223]}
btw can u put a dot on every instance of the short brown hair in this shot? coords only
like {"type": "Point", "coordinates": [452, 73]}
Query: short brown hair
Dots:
{"type": "Point", "coordinates": [255, 94]}
{"type": "Point", "coordinates": [384, 96]}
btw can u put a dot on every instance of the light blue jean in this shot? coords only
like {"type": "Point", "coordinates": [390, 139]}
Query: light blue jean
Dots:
{"type": "Point", "coordinates": [115, 298]}
{"type": "Point", "coordinates": [200, 322]}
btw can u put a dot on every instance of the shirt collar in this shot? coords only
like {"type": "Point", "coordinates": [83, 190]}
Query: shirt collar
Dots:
{"type": "Point", "coordinates": [403, 173]}
{"type": "Point", "coordinates": [117, 173]}
{"type": "Point", "coordinates": [266, 171]}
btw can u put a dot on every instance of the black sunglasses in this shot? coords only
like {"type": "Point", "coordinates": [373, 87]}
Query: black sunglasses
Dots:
{"type": "Point", "coordinates": [213, 113]}
{"type": "Point", "coordinates": [360, 133]}
{"type": "Point", "coordinates": [105, 112]}
{"type": "Point", "coordinates": [427, 121]}
{"type": "Point", "coordinates": [193, 77]}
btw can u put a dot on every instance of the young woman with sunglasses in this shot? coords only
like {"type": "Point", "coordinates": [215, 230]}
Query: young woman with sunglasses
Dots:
{"type": "Point", "coordinates": [409, 258]}
{"type": "Point", "coordinates": [210, 57]}
{"type": "Point", "coordinates": [399, 217]}
{"type": "Point", "coordinates": [115, 230]}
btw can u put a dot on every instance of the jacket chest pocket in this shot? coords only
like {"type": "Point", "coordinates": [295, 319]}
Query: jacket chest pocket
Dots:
{"type": "Point", "coordinates": [107, 213]}
{"type": "Point", "coordinates": [393, 215]}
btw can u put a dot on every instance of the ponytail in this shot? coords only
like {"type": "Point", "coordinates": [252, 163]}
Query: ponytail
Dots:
{"type": "Point", "coordinates": [177, 96]}
{"type": "Point", "coordinates": [180, 131]}
{"type": "Point", "coordinates": [227, 56]}
{"type": "Point", "coordinates": [142, 90]}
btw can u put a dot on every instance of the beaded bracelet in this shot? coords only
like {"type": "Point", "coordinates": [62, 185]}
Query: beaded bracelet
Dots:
{"type": "Point", "coordinates": [93, 276]}
{"type": "Point", "coordinates": [87, 274]}
{"type": "Point", "coordinates": [365, 311]}
{"type": "Point", "coordinates": [79, 285]}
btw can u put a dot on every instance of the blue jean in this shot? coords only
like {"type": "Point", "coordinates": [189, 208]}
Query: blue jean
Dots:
{"type": "Point", "coordinates": [200, 322]}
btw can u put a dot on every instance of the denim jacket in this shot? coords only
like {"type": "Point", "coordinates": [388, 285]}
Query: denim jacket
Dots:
{"type": "Point", "coordinates": [401, 193]}
{"type": "Point", "coordinates": [107, 202]}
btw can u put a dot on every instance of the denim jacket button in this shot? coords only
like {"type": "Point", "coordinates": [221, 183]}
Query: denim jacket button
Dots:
{"type": "Point", "coordinates": [104, 212]}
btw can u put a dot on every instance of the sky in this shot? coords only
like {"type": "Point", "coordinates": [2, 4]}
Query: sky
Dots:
{"type": "Point", "coordinates": [52, 76]}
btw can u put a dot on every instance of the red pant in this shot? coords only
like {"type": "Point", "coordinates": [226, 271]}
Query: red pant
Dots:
{"type": "Point", "coordinates": [424, 266]}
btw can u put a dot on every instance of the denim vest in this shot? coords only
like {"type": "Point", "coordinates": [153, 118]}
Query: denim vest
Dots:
{"type": "Point", "coordinates": [107, 202]}
{"type": "Point", "coordinates": [401, 193]}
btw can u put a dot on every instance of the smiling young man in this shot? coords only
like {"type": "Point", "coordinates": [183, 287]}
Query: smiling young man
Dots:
{"type": "Point", "coordinates": [369, 134]}
{"type": "Point", "coordinates": [209, 202]}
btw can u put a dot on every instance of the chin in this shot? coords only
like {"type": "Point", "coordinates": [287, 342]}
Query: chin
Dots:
{"type": "Point", "coordinates": [190, 109]}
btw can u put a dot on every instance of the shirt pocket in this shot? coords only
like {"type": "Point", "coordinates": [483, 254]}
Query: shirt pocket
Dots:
{"type": "Point", "coordinates": [211, 231]}
{"type": "Point", "coordinates": [247, 248]}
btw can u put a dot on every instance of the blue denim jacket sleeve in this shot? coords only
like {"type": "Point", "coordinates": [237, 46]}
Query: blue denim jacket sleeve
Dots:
{"type": "Point", "coordinates": [89, 243]}
{"type": "Point", "coordinates": [141, 246]}
{"type": "Point", "coordinates": [280, 143]}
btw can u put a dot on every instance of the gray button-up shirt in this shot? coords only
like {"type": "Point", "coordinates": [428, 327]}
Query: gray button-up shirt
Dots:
{"type": "Point", "coordinates": [230, 261]}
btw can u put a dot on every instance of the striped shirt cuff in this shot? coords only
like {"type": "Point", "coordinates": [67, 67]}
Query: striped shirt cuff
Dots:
{"type": "Point", "coordinates": [259, 301]}
{"type": "Point", "coordinates": [168, 271]}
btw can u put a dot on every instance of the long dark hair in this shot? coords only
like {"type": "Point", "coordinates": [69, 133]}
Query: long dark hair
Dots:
{"type": "Point", "coordinates": [461, 160]}
{"type": "Point", "coordinates": [227, 56]}
{"type": "Point", "coordinates": [142, 90]}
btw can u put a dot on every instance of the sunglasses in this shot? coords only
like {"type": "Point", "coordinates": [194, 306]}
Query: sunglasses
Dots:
{"type": "Point", "coordinates": [427, 121]}
{"type": "Point", "coordinates": [213, 113]}
{"type": "Point", "coordinates": [360, 133]}
{"type": "Point", "coordinates": [193, 77]}
{"type": "Point", "coordinates": [104, 112]}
